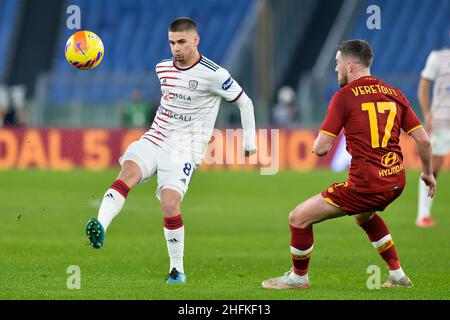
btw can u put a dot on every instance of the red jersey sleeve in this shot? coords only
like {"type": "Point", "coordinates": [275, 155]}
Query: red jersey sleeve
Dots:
{"type": "Point", "coordinates": [410, 121]}
{"type": "Point", "coordinates": [334, 120]}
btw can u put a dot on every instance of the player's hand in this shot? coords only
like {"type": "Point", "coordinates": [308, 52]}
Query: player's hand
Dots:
{"type": "Point", "coordinates": [250, 151]}
{"type": "Point", "coordinates": [430, 181]}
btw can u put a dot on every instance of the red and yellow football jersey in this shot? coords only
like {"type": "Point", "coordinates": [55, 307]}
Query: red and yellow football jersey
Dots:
{"type": "Point", "coordinates": [372, 114]}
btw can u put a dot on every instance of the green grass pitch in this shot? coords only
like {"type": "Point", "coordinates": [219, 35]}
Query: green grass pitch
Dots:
{"type": "Point", "coordinates": [237, 235]}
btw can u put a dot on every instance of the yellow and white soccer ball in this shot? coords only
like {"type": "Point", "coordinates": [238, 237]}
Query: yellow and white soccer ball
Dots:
{"type": "Point", "coordinates": [84, 50]}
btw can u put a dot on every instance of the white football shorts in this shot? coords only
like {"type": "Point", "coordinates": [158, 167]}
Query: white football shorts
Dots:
{"type": "Point", "coordinates": [440, 141]}
{"type": "Point", "coordinates": [174, 169]}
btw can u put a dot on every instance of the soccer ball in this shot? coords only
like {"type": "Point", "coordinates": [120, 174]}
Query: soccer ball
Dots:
{"type": "Point", "coordinates": [84, 50]}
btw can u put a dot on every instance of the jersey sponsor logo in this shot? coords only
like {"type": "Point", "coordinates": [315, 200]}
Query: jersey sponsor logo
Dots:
{"type": "Point", "coordinates": [193, 84]}
{"type": "Point", "coordinates": [167, 95]}
{"type": "Point", "coordinates": [391, 171]}
{"type": "Point", "coordinates": [389, 159]}
{"type": "Point", "coordinates": [227, 84]}
{"type": "Point", "coordinates": [173, 115]}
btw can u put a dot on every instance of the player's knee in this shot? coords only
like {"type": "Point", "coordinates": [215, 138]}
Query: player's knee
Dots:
{"type": "Point", "coordinates": [298, 219]}
{"type": "Point", "coordinates": [130, 173]}
{"type": "Point", "coordinates": [169, 208]}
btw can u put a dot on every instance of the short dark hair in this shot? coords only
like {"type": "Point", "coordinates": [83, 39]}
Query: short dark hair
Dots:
{"type": "Point", "coordinates": [182, 24]}
{"type": "Point", "coordinates": [359, 49]}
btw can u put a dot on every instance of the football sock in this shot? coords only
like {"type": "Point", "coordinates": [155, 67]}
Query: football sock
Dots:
{"type": "Point", "coordinates": [174, 233]}
{"type": "Point", "coordinates": [396, 274]}
{"type": "Point", "coordinates": [302, 240]}
{"type": "Point", "coordinates": [425, 202]}
{"type": "Point", "coordinates": [381, 240]}
{"type": "Point", "coordinates": [112, 203]}
{"type": "Point", "coordinates": [298, 279]}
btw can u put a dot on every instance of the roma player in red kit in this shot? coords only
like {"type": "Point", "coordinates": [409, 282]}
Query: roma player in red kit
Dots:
{"type": "Point", "coordinates": [372, 114]}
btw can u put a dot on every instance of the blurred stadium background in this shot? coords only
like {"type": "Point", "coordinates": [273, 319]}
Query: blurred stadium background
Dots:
{"type": "Point", "coordinates": [266, 44]}
{"type": "Point", "coordinates": [282, 52]}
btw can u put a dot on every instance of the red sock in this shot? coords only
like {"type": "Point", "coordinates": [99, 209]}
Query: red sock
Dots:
{"type": "Point", "coordinates": [301, 247]}
{"type": "Point", "coordinates": [121, 187]}
{"type": "Point", "coordinates": [379, 235]}
{"type": "Point", "coordinates": [173, 223]}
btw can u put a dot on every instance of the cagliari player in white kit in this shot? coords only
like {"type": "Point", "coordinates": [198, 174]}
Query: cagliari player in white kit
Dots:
{"type": "Point", "coordinates": [437, 119]}
{"type": "Point", "coordinates": [192, 88]}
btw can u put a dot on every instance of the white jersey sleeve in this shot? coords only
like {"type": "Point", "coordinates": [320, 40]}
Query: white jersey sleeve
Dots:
{"type": "Point", "coordinates": [225, 86]}
{"type": "Point", "coordinates": [431, 70]}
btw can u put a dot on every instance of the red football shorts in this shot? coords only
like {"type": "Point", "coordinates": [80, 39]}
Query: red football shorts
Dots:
{"type": "Point", "coordinates": [342, 196]}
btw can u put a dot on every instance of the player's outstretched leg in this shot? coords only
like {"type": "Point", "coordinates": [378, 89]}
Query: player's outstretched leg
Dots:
{"type": "Point", "coordinates": [112, 203]}
{"type": "Point", "coordinates": [174, 235]}
{"type": "Point", "coordinates": [378, 234]}
{"type": "Point", "coordinates": [301, 219]}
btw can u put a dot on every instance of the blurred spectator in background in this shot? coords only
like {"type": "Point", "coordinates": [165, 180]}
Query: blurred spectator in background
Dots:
{"type": "Point", "coordinates": [137, 112]}
{"type": "Point", "coordinates": [436, 113]}
{"type": "Point", "coordinates": [285, 113]}
{"type": "Point", "coordinates": [12, 106]}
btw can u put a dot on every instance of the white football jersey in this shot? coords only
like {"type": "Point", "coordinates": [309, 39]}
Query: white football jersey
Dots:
{"type": "Point", "coordinates": [189, 105]}
{"type": "Point", "coordinates": [437, 69]}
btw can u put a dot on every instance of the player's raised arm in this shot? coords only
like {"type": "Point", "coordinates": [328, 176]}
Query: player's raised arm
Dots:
{"type": "Point", "coordinates": [225, 86]}
{"type": "Point", "coordinates": [245, 105]}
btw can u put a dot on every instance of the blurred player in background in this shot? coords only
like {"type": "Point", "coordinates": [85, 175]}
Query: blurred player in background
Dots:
{"type": "Point", "coordinates": [372, 114]}
{"type": "Point", "coordinates": [192, 88]}
{"type": "Point", "coordinates": [437, 121]}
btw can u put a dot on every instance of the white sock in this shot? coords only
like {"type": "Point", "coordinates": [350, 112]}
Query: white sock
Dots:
{"type": "Point", "coordinates": [396, 274]}
{"type": "Point", "coordinates": [425, 202]}
{"type": "Point", "coordinates": [298, 279]}
{"type": "Point", "coordinates": [111, 205]}
{"type": "Point", "coordinates": [175, 247]}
